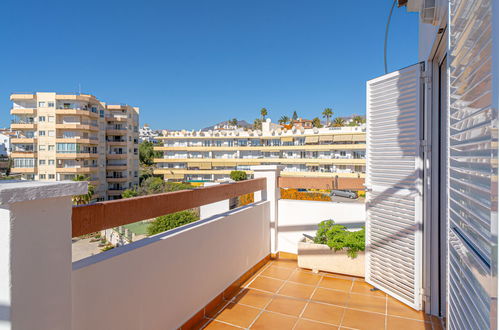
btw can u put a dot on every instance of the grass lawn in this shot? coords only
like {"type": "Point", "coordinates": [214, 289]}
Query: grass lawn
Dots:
{"type": "Point", "coordinates": [138, 228]}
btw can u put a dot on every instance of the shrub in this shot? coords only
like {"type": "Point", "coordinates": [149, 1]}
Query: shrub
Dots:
{"type": "Point", "coordinates": [170, 221]}
{"type": "Point", "coordinates": [129, 193]}
{"type": "Point", "coordinates": [337, 237]}
{"type": "Point", "coordinates": [303, 195]}
{"type": "Point", "coordinates": [238, 175]}
{"type": "Point", "coordinates": [246, 199]}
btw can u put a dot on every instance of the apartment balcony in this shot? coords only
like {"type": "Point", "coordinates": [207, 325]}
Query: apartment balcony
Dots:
{"type": "Point", "coordinates": [75, 155]}
{"type": "Point", "coordinates": [77, 169]}
{"type": "Point", "coordinates": [22, 111]}
{"type": "Point", "coordinates": [116, 179]}
{"type": "Point", "coordinates": [77, 126]}
{"type": "Point", "coordinates": [231, 269]}
{"type": "Point", "coordinates": [19, 125]}
{"type": "Point", "coordinates": [23, 140]}
{"type": "Point", "coordinates": [23, 154]}
{"type": "Point", "coordinates": [116, 167]}
{"type": "Point", "coordinates": [117, 155]}
{"type": "Point", "coordinates": [21, 170]}
{"type": "Point", "coordinates": [78, 139]}
{"type": "Point", "coordinates": [117, 142]}
{"type": "Point", "coordinates": [76, 112]}
{"type": "Point", "coordinates": [117, 118]}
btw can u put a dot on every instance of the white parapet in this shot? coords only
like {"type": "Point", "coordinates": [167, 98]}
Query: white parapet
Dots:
{"type": "Point", "coordinates": [35, 254]}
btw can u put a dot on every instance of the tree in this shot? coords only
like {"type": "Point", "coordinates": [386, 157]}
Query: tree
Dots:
{"type": "Point", "coordinates": [295, 116]}
{"type": "Point", "coordinates": [170, 221]}
{"type": "Point", "coordinates": [146, 153]}
{"type": "Point", "coordinates": [257, 124]}
{"type": "Point", "coordinates": [129, 193]}
{"type": "Point", "coordinates": [85, 198]}
{"type": "Point", "coordinates": [264, 113]}
{"type": "Point", "coordinates": [233, 122]}
{"type": "Point", "coordinates": [316, 122]}
{"type": "Point", "coordinates": [284, 120]}
{"type": "Point", "coordinates": [151, 185]}
{"type": "Point", "coordinates": [327, 113]}
{"type": "Point", "coordinates": [359, 120]}
{"type": "Point", "coordinates": [238, 175]}
{"type": "Point", "coordinates": [338, 122]}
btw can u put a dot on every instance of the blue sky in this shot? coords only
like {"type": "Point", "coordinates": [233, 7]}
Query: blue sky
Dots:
{"type": "Point", "coordinates": [191, 63]}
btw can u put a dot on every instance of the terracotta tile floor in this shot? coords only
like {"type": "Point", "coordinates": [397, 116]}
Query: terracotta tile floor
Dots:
{"type": "Point", "coordinates": [282, 296]}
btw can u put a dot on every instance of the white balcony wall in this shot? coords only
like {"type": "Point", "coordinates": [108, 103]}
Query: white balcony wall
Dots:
{"type": "Point", "coordinates": [161, 281]}
{"type": "Point", "coordinates": [296, 218]}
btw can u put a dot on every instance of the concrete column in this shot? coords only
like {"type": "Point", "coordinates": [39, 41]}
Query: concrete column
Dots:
{"type": "Point", "coordinates": [272, 194]}
{"type": "Point", "coordinates": [35, 254]}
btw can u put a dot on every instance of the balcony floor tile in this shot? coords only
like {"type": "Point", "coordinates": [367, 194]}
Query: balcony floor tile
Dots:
{"type": "Point", "coordinates": [282, 296]}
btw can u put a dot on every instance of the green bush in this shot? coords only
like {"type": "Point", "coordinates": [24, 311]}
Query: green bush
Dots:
{"type": "Point", "coordinates": [129, 193]}
{"type": "Point", "coordinates": [170, 221]}
{"type": "Point", "coordinates": [337, 237]}
{"type": "Point", "coordinates": [238, 175]}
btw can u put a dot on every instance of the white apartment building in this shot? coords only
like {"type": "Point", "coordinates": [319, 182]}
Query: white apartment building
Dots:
{"type": "Point", "coordinates": [212, 155]}
{"type": "Point", "coordinates": [147, 134]}
{"type": "Point", "coordinates": [4, 145]}
{"type": "Point", "coordinates": [61, 136]}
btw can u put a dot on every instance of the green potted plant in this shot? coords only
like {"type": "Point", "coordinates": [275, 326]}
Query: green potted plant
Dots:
{"type": "Point", "coordinates": [334, 249]}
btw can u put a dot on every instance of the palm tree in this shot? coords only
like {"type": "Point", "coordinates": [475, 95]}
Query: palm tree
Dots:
{"type": "Point", "coordinates": [86, 198]}
{"type": "Point", "coordinates": [283, 120]}
{"type": "Point", "coordinates": [358, 120]}
{"type": "Point", "coordinates": [295, 116]}
{"type": "Point", "coordinates": [327, 113]}
{"type": "Point", "coordinates": [264, 113]}
{"type": "Point", "coordinates": [338, 122]}
{"type": "Point", "coordinates": [233, 122]}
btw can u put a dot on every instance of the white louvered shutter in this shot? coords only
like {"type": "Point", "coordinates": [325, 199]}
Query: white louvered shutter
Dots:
{"type": "Point", "coordinates": [394, 180]}
{"type": "Point", "coordinates": [472, 159]}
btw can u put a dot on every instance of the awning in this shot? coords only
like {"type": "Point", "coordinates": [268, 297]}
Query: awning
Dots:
{"type": "Point", "coordinates": [193, 164]}
{"type": "Point", "coordinates": [359, 138]}
{"type": "Point", "coordinates": [174, 176]}
{"type": "Point", "coordinates": [343, 138]}
{"type": "Point", "coordinates": [311, 139]}
{"type": "Point", "coordinates": [326, 138]}
{"type": "Point", "coordinates": [287, 139]}
{"type": "Point", "coordinates": [205, 166]}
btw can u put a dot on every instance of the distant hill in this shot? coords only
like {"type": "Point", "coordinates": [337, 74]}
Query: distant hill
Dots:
{"type": "Point", "coordinates": [240, 123]}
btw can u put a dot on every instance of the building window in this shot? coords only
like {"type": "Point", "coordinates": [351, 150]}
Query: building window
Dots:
{"type": "Point", "coordinates": [41, 118]}
{"type": "Point", "coordinates": [51, 162]}
{"type": "Point", "coordinates": [51, 148]}
{"type": "Point", "coordinates": [68, 147]}
{"type": "Point", "coordinates": [24, 162]}
{"type": "Point", "coordinates": [51, 133]}
{"type": "Point", "coordinates": [41, 104]}
{"type": "Point", "coordinates": [51, 119]}
{"type": "Point", "coordinates": [101, 113]}
{"type": "Point", "coordinates": [41, 161]}
{"type": "Point", "coordinates": [41, 133]}
{"type": "Point", "coordinates": [51, 176]}
{"type": "Point", "coordinates": [41, 147]}
{"type": "Point", "coordinates": [50, 104]}
{"type": "Point", "coordinates": [42, 176]}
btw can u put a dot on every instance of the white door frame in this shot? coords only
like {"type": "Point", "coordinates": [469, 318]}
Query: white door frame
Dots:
{"type": "Point", "coordinates": [435, 254]}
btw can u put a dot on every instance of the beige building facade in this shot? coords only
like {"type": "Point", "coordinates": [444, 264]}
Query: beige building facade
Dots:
{"type": "Point", "coordinates": [212, 155]}
{"type": "Point", "coordinates": [61, 136]}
